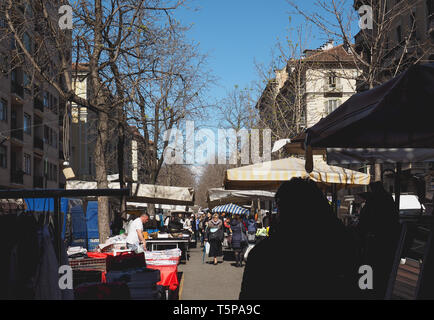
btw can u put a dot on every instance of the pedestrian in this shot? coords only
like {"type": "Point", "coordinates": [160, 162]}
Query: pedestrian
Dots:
{"type": "Point", "coordinates": [214, 235]}
{"type": "Point", "coordinates": [310, 254]}
{"type": "Point", "coordinates": [239, 239]}
{"type": "Point", "coordinates": [251, 229]}
{"type": "Point", "coordinates": [202, 228]}
{"type": "Point", "coordinates": [228, 231]}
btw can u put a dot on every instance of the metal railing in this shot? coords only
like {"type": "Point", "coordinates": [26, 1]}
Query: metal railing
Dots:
{"type": "Point", "coordinates": [333, 88]}
{"type": "Point", "coordinates": [38, 181]}
{"type": "Point", "coordinates": [38, 143]}
{"type": "Point", "coordinates": [38, 104]}
{"type": "Point", "coordinates": [17, 134]}
{"type": "Point", "coordinates": [17, 176]}
{"type": "Point", "coordinates": [17, 89]}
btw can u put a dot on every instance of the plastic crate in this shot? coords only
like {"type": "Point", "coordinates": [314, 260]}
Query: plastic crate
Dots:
{"type": "Point", "coordinates": [89, 264]}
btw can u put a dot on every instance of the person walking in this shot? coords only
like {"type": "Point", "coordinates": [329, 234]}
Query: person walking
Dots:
{"type": "Point", "coordinates": [214, 236]}
{"type": "Point", "coordinates": [202, 228]}
{"type": "Point", "coordinates": [239, 239]}
{"type": "Point", "coordinates": [251, 229]}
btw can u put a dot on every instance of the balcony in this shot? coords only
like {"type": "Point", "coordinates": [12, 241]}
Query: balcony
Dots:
{"type": "Point", "coordinates": [17, 89]}
{"type": "Point", "coordinates": [38, 182]}
{"type": "Point", "coordinates": [333, 88]}
{"type": "Point", "coordinates": [38, 104]}
{"type": "Point", "coordinates": [38, 143]}
{"type": "Point", "coordinates": [17, 176]}
{"type": "Point", "coordinates": [17, 134]}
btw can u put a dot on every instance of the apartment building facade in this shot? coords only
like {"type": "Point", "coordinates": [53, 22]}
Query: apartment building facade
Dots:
{"type": "Point", "coordinates": [402, 34]}
{"type": "Point", "coordinates": [83, 135]}
{"type": "Point", "coordinates": [408, 38]}
{"type": "Point", "coordinates": [313, 86]}
{"type": "Point", "coordinates": [30, 117]}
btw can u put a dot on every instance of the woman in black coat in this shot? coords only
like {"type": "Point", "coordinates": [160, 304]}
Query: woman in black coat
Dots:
{"type": "Point", "coordinates": [238, 243]}
{"type": "Point", "coordinates": [214, 235]}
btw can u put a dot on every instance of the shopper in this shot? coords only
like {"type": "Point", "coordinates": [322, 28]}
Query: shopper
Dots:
{"type": "Point", "coordinates": [214, 236]}
{"type": "Point", "coordinates": [310, 255]}
{"type": "Point", "coordinates": [239, 239]}
{"type": "Point", "coordinates": [251, 229]}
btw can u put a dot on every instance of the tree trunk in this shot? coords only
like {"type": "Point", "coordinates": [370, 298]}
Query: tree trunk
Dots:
{"type": "Point", "coordinates": [101, 178]}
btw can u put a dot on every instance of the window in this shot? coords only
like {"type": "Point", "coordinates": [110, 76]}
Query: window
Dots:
{"type": "Point", "coordinates": [27, 164]}
{"type": "Point", "coordinates": [399, 34]}
{"type": "Point", "coordinates": [4, 64]}
{"type": "Point", "coordinates": [331, 105]}
{"type": "Point", "coordinates": [3, 157]}
{"type": "Point", "coordinates": [3, 110]}
{"type": "Point", "coordinates": [50, 171]}
{"type": "Point", "coordinates": [55, 173]}
{"type": "Point", "coordinates": [332, 81]}
{"type": "Point", "coordinates": [27, 124]}
{"type": "Point", "coordinates": [46, 99]}
{"type": "Point", "coordinates": [27, 42]}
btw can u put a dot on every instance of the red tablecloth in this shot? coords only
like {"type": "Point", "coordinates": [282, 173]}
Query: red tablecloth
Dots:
{"type": "Point", "coordinates": [168, 274]}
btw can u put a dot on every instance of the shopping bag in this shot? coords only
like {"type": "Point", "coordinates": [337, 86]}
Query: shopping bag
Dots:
{"type": "Point", "coordinates": [207, 246]}
{"type": "Point", "coordinates": [246, 253]}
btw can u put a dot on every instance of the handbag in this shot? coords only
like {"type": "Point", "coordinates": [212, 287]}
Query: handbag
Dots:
{"type": "Point", "coordinates": [216, 235]}
{"type": "Point", "coordinates": [243, 236]}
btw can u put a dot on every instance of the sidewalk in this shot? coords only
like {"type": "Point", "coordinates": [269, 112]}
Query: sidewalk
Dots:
{"type": "Point", "coordinates": [204, 281]}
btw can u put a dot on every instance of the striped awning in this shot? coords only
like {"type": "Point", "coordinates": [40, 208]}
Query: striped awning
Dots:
{"type": "Point", "coordinates": [231, 208]}
{"type": "Point", "coordinates": [269, 175]}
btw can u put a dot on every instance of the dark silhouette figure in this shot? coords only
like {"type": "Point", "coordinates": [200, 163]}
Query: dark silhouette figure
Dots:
{"type": "Point", "coordinates": [237, 243]}
{"type": "Point", "coordinates": [379, 232]}
{"type": "Point", "coordinates": [309, 255]}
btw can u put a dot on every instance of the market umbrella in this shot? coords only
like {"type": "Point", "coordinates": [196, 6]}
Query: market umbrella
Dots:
{"type": "Point", "coordinates": [270, 175]}
{"type": "Point", "coordinates": [396, 114]}
{"type": "Point", "coordinates": [220, 196]}
{"type": "Point", "coordinates": [231, 208]}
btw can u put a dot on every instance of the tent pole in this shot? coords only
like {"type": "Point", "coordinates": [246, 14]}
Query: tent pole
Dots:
{"type": "Point", "coordinates": [398, 185]}
{"type": "Point", "coordinates": [335, 199]}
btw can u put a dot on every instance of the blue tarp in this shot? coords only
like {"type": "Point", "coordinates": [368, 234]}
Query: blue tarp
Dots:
{"type": "Point", "coordinates": [92, 224]}
{"type": "Point", "coordinates": [84, 227]}
{"type": "Point", "coordinates": [47, 205]}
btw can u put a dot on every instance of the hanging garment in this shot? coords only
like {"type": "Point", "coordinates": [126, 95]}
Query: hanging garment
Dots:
{"type": "Point", "coordinates": [47, 284]}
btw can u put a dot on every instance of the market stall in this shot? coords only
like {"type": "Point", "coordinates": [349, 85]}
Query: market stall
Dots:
{"type": "Point", "coordinates": [220, 196]}
{"type": "Point", "coordinates": [395, 116]}
{"type": "Point", "coordinates": [269, 175]}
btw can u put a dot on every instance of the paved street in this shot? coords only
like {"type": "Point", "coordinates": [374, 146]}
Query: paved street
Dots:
{"type": "Point", "coordinates": [204, 281]}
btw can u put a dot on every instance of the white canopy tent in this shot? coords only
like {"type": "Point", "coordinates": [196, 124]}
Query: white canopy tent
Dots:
{"type": "Point", "coordinates": [145, 193]}
{"type": "Point", "coordinates": [220, 196]}
{"type": "Point", "coordinates": [269, 175]}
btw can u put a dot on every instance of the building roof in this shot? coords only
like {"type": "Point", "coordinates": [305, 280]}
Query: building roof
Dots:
{"type": "Point", "coordinates": [84, 67]}
{"type": "Point", "coordinates": [335, 54]}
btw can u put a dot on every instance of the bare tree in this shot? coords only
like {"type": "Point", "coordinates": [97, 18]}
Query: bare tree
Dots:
{"type": "Point", "coordinates": [109, 37]}
{"type": "Point", "coordinates": [211, 177]}
{"type": "Point", "coordinates": [378, 54]}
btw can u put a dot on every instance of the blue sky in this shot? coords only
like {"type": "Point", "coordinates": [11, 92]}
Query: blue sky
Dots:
{"type": "Point", "coordinates": [235, 33]}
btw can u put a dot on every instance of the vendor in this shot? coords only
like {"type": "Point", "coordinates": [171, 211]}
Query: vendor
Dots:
{"type": "Point", "coordinates": [135, 232]}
